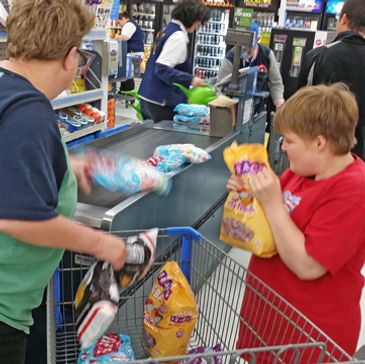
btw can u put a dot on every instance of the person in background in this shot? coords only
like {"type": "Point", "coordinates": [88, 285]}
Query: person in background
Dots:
{"type": "Point", "coordinates": [316, 212]}
{"type": "Point", "coordinates": [133, 34]}
{"type": "Point", "coordinates": [38, 191]}
{"type": "Point", "coordinates": [168, 62]}
{"type": "Point", "coordinates": [269, 77]}
{"type": "Point", "coordinates": [339, 62]}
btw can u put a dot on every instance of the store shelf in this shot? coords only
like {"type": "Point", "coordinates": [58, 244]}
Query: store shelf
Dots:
{"type": "Point", "coordinates": [212, 45]}
{"type": "Point", "coordinates": [209, 57]}
{"type": "Point", "coordinates": [75, 99]}
{"type": "Point", "coordinates": [207, 68]}
{"type": "Point", "coordinates": [144, 14]}
{"type": "Point", "coordinates": [212, 33]}
{"type": "Point", "coordinates": [96, 34]}
{"type": "Point", "coordinates": [216, 22]}
{"type": "Point", "coordinates": [81, 133]}
{"type": "Point", "coordinates": [147, 30]}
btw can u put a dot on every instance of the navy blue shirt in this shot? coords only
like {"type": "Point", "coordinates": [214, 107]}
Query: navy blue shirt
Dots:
{"type": "Point", "coordinates": [32, 157]}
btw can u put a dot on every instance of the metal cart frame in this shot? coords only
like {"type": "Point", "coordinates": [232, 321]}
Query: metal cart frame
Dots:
{"type": "Point", "coordinates": [219, 284]}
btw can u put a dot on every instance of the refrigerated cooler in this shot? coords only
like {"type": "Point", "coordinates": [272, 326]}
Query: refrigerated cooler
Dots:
{"type": "Point", "coordinates": [290, 46]}
{"type": "Point", "coordinates": [145, 15]}
{"type": "Point", "coordinates": [210, 45]}
{"type": "Point", "coordinates": [303, 14]}
{"type": "Point", "coordinates": [332, 12]}
{"type": "Point", "coordinates": [264, 13]}
{"type": "Point", "coordinates": [167, 7]}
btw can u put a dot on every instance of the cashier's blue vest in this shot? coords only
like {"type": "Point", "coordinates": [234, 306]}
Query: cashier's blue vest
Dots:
{"type": "Point", "coordinates": [136, 41]}
{"type": "Point", "coordinates": [152, 88]}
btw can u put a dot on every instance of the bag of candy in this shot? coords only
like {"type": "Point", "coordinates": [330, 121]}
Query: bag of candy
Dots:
{"type": "Point", "coordinates": [125, 174]}
{"type": "Point", "coordinates": [111, 348]}
{"type": "Point", "coordinates": [188, 119]}
{"type": "Point", "coordinates": [192, 153]}
{"type": "Point", "coordinates": [191, 110]}
{"type": "Point", "coordinates": [97, 297]}
{"type": "Point", "coordinates": [244, 223]}
{"type": "Point", "coordinates": [214, 359]}
{"type": "Point", "coordinates": [170, 313]}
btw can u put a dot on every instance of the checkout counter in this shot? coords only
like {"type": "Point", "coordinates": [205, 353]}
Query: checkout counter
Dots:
{"type": "Point", "coordinates": [198, 190]}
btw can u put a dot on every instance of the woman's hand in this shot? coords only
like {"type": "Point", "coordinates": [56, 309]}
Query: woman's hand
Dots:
{"type": "Point", "coordinates": [266, 187]}
{"type": "Point", "coordinates": [82, 170]}
{"type": "Point", "coordinates": [235, 184]}
{"type": "Point", "coordinates": [197, 82]}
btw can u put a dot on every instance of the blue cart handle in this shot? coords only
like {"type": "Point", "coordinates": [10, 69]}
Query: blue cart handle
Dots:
{"type": "Point", "coordinates": [184, 231]}
{"type": "Point", "coordinates": [187, 235]}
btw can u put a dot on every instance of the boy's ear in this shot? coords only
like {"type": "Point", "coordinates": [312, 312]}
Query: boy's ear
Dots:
{"type": "Point", "coordinates": [321, 142]}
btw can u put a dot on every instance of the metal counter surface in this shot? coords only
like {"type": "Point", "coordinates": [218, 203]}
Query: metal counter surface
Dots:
{"type": "Point", "coordinates": [138, 142]}
{"type": "Point", "coordinates": [196, 188]}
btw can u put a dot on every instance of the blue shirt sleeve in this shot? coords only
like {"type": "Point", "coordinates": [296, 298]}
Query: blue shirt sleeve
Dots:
{"type": "Point", "coordinates": [32, 160]}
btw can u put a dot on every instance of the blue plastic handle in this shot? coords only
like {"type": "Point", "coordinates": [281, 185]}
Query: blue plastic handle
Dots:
{"type": "Point", "coordinates": [184, 231]}
{"type": "Point", "coordinates": [187, 234]}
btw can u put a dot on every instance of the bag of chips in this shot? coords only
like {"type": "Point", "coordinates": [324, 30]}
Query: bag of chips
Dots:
{"type": "Point", "coordinates": [244, 223]}
{"type": "Point", "coordinates": [170, 313]}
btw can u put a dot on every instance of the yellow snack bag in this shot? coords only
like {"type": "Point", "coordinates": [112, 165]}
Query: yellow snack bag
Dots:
{"type": "Point", "coordinates": [170, 313]}
{"type": "Point", "coordinates": [244, 223]}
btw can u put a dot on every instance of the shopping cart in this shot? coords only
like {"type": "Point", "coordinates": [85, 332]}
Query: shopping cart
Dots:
{"type": "Point", "coordinates": [219, 283]}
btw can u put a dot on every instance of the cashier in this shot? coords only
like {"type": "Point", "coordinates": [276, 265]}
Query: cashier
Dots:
{"type": "Point", "coordinates": [133, 35]}
{"type": "Point", "coordinates": [168, 62]}
{"type": "Point", "coordinates": [269, 77]}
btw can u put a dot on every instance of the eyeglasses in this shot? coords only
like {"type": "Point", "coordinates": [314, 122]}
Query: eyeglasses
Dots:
{"type": "Point", "coordinates": [83, 57]}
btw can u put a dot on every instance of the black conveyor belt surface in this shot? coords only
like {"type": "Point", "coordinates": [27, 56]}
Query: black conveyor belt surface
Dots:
{"type": "Point", "coordinates": [138, 142]}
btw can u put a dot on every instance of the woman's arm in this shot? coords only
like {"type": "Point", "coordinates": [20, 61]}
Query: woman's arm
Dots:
{"type": "Point", "coordinates": [63, 233]}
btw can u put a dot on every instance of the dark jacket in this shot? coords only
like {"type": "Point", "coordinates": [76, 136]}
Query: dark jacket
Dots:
{"type": "Point", "coordinates": [157, 82]}
{"type": "Point", "coordinates": [340, 61]}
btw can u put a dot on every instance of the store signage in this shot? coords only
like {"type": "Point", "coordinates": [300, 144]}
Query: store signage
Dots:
{"type": "Point", "coordinates": [258, 3]}
{"type": "Point", "coordinates": [310, 6]}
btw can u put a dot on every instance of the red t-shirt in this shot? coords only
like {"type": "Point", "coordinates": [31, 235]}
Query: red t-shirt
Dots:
{"type": "Point", "coordinates": [331, 214]}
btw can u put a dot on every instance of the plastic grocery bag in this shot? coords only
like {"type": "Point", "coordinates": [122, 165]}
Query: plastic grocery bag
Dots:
{"type": "Point", "coordinates": [170, 313]}
{"type": "Point", "coordinates": [244, 223]}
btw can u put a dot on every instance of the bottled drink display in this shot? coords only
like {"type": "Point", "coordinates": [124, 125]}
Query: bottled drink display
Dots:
{"type": "Point", "coordinates": [210, 46]}
{"type": "Point", "coordinates": [144, 15]}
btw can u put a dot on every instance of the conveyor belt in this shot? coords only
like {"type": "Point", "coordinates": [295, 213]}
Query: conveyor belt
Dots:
{"type": "Point", "coordinates": [138, 142]}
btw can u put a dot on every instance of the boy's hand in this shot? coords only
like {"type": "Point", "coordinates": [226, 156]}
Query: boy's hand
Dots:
{"type": "Point", "coordinates": [266, 187]}
{"type": "Point", "coordinates": [235, 184]}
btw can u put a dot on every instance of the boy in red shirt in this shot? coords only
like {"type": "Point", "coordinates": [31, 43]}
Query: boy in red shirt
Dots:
{"type": "Point", "coordinates": [316, 212]}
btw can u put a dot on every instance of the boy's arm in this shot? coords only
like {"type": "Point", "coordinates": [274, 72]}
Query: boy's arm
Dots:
{"type": "Point", "coordinates": [289, 239]}
{"type": "Point", "coordinates": [63, 233]}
